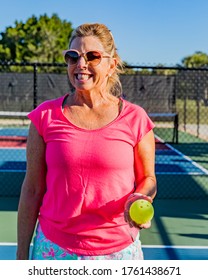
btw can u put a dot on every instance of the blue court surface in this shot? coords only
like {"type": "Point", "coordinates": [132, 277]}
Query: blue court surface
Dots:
{"type": "Point", "coordinates": [171, 161]}
{"type": "Point", "coordinates": [13, 131]}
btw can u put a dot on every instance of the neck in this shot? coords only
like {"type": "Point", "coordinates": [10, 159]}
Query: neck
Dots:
{"type": "Point", "coordinates": [92, 99]}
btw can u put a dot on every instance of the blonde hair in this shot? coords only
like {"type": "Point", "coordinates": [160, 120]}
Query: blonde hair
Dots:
{"type": "Point", "coordinates": [105, 36]}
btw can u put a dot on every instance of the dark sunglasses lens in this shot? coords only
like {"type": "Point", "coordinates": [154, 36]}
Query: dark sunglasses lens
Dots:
{"type": "Point", "coordinates": [71, 57]}
{"type": "Point", "coordinates": [93, 57]}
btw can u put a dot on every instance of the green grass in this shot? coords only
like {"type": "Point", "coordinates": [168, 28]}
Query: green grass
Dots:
{"type": "Point", "coordinates": [189, 112]}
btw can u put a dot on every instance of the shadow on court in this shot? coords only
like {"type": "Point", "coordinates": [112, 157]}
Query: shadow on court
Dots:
{"type": "Point", "coordinates": [179, 223]}
{"type": "Point", "coordinates": [9, 204]}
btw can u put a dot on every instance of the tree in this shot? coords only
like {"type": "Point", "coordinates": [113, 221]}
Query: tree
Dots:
{"type": "Point", "coordinates": [37, 40]}
{"type": "Point", "coordinates": [198, 59]}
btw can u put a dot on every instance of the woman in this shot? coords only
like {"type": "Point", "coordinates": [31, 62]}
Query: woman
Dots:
{"type": "Point", "coordinates": [90, 154]}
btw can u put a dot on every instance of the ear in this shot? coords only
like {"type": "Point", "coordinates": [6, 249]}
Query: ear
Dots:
{"type": "Point", "coordinates": [112, 66]}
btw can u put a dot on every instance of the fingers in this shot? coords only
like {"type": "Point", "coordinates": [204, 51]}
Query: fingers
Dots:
{"type": "Point", "coordinates": [146, 225]}
{"type": "Point", "coordinates": [133, 197]}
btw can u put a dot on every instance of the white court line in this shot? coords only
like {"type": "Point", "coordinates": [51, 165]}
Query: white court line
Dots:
{"type": "Point", "coordinates": [183, 156]}
{"type": "Point", "coordinates": [8, 244]}
{"type": "Point", "coordinates": [180, 173]}
{"type": "Point", "coordinates": [175, 247]}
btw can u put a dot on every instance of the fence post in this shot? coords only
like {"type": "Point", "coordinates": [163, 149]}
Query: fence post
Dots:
{"type": "Point", "coordinates": [35, 86]}
{"type": "Point", "coordinates": [198, 106]}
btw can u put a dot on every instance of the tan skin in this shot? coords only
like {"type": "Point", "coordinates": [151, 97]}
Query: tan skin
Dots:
{"type": "Point", "coordinates": [144, 154]}
{"type": "Point", "coordinates": [90, 107]}
{"type": "Point", "coordinates": [33, 189]}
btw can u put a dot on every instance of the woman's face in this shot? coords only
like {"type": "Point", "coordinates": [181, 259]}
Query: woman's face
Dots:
{"type": "Point", "coordinates": [83, 75]}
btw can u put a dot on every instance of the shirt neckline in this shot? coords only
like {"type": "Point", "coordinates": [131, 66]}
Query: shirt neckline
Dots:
{"type": "Point", "coordinates": [91, 130]}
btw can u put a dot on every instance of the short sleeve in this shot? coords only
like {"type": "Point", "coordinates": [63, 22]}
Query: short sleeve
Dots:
{"type": "Point", "coordinates": [145, 124]}
{"type": "Point", "coordinates": [37, 117]}
{"type": "Point", "coordinates": [138, 121]}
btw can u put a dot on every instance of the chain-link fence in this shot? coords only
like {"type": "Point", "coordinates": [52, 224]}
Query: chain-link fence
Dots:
{"type": "Point", "coordinates": [175, 98]}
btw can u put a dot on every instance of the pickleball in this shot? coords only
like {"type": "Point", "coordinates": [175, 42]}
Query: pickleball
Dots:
{"type": "Point", "coordinates": [141, 211]}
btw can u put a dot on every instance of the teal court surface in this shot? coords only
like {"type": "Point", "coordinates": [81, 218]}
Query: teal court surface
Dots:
{"type": "Point", "coordinates": [179, 228]}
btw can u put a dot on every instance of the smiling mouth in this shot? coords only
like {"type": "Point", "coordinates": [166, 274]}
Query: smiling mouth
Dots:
{"type": "Point", "coordinates": [83, 77]}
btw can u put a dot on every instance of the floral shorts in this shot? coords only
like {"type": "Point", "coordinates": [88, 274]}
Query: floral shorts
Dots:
{"type": "Point", "coordinates": [44, 249]}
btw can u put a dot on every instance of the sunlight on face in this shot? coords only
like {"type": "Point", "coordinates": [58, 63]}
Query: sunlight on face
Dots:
{"type": "Point", "coordinates": [84, 76]}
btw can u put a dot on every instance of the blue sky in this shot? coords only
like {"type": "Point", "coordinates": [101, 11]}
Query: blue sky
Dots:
{"type": "Point", "coordinates": [147, 32]}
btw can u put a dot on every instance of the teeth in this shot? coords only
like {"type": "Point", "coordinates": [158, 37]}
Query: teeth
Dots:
{"type": "Point", "coordinates": [83, 76]}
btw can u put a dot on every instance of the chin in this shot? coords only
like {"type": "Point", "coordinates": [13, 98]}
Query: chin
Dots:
{"type": "Point", "coordinates": [83, 88]}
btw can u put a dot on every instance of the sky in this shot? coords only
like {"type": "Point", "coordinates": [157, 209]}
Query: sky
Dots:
{"type": "Point", "coordinates": [146, 32]}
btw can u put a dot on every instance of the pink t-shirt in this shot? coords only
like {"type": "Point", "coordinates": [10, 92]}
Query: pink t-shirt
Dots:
{"type": "Point", "coordinates": [90, 174]}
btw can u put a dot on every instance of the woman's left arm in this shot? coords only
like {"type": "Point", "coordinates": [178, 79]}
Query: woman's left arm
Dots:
{"type": "Point", "coordinates": [145, 179]}
{"type": "Point", "coordinates": [144, 166]}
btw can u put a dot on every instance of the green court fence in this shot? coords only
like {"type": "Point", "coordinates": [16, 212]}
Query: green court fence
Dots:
{"type": "Point", "coordinates": [175, 98]}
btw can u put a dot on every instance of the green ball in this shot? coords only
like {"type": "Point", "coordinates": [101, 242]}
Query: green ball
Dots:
{"type": "Point", "coordinates": [141, 211]}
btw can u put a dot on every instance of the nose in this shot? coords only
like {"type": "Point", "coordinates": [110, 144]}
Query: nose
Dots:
{"type": "Point", "coordinates": [82, 62]}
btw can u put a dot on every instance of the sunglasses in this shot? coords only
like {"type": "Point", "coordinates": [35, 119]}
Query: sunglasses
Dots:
{"type": "Point", "coordinates": [92, 58]}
